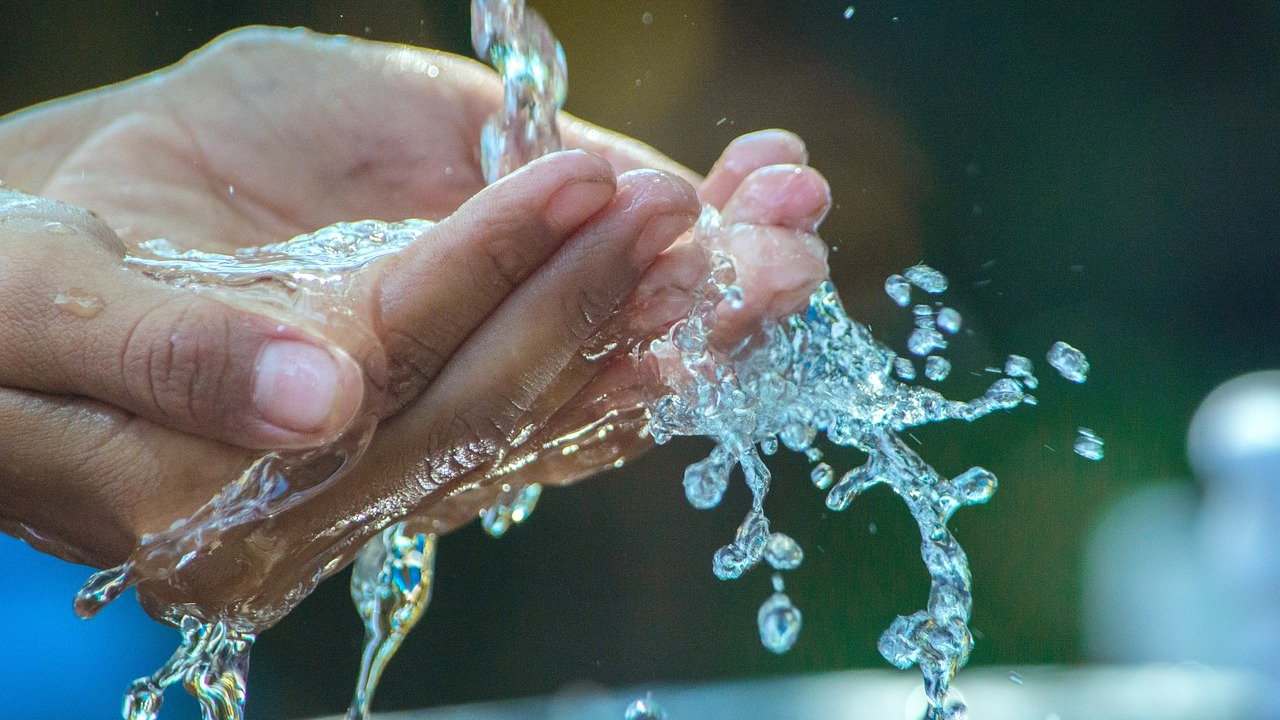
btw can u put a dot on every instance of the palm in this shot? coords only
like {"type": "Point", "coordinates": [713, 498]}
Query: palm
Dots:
{"type": "Point", "coordinates": [255, 142]}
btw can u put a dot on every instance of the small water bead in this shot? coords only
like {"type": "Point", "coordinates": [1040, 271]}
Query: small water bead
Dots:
{"type": "Point", "coordinates": [779, 622]}
{"type": "Point", "coordinates": [924, 340]}
{"type": "Point", "coordinates": [975, 485]}
{"type": "Point", "coordinates": [645, 708]}
{"type": "Point", "coordinates": [1017, 366]}
{"type": "Point", "coordinates": [769, 445]}
{"type": "Point", "coordinates": [1088, 444]}
{"type": "Point", "coordinates": [797, 437]}
{"type": "Point", "coordinates": [904, 368]}
{"type": "Point", "coordinates": [822, 476]}
{"type": "Point", "coordinates": [936, 368]}
{"type": "Point", "coordinates": [898, 289]}
{"type": "Point", "coordinates": [705, 482]}
{"type": "Point", "coordinates": [926, 278]}
{"type": "Point", "coordinates": [848, 13]}
{"type": "Point", "coordinates": [783, 553]}
{"type": "Point", "coordinates": [79, 303]}
{"type": "Point", "coordinates": [59, 228]}
{"type": "Point", "coordinates": [813, 454]}
{"type": "Point", "coordinates": [922, 316]}
{"type": "Point", "coordinates": [1069, 362]}
{"type": "Point", "coordinates": [779, 585]}
{"type": "Point", "coordinates": [949, 320]}
{"type": "Point", "coordinates": [1015, 677]}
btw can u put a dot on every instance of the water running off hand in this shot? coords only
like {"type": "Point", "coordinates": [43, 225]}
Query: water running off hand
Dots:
{"type": "Point", "coordinates": [815, 372]}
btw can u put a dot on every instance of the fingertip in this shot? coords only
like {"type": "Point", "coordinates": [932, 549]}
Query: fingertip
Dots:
{"type": "Point", "coordinates": [747, 153]}
{"type": "Point", "coordinates": [305, 394]}
{"type": "Point", "coordinates": [791, 196]}
{"type": "Point", "coordinates": [663, 205]}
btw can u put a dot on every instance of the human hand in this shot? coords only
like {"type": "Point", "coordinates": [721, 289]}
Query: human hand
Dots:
{"type": "Point", "coordinates": [90, 472]}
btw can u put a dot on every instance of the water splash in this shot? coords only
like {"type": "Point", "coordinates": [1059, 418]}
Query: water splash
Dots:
{"type": "Point", "coordinates": [816, 372]}
{"type": "Point", "coordinates": [535, 82]}
{"type": "Point", "coordinates": [820, 372]}
{"type": "Point", "coordinates": [391, 586]}
{"type": "Point", "coordinates": [213, 665]}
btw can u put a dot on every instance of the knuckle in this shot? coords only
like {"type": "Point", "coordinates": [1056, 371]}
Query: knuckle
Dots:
{"type": "Point", "coordinates": [505, 263]}
{"type": "Point", "coordinates": [586, 309]}
{"type": "Point", "coordinates": [175, 359]}
{"type": "Point", "coordinates": [413, 361]}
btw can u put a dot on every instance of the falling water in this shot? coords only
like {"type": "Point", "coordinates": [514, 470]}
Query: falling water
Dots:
{"type": "Point", "coordinates": [391, 587]}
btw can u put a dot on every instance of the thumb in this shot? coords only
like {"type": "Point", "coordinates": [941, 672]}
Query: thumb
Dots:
{"type": "Point", "coordinates": [74, 321]}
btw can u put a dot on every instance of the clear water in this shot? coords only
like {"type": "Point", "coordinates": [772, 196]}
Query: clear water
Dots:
{"type": "Point", "coordinates": [820, 373]}
{"type": "Point", "coordinates": [391, 587]}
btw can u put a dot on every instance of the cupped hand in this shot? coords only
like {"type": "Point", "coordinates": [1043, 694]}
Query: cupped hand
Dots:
{"type": "Point", "coordinates": [130, 403]}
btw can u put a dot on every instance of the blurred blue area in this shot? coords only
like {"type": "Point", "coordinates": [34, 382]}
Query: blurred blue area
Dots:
{"type": "Point", "coordinates": [58, 666]}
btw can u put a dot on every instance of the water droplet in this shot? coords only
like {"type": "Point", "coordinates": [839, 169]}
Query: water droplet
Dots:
{"type": "Point", "coordinates": [936, 368]}
{"type": "Point", "coordinates": [1015, 677]}
{"type": "Point", "coordinates": [779, 622]}
{"type": "Point", "coordinates": [926, 278]}
{"type": "Point", "coordinates": [898, 289]}
{"type": "Point", "coordinates": [79, 303]}
{"type": "Point", "coordinates": [813, 454]}
{"type": "Point", "coordinates": [925, 340]}
{"type": "Point", "coordinates": [822, 476]}
{"type": "Point", "coordinates": [783, 553]}
{"type": "Point", "coordinates": [975, 485]}
{"type": "Point", "coordinates": [778, 584]}
{"type": "Point", "coordinates": [705, 482]}
{"type": "Point", "coordinates": [949, 320]}
{"type": "Point", "coordinates": [904, 368]}
{"type": "Point", "coordinates": [848, 13]}
{"type": "Point", "coordinates": [922, 316]}
{"type": "Point", "coordinates": [1069, 362]}
{"type": "Point", "coordinates": [646, 18]}
{"type": "Point", "coordinates": [1088, 444]}
{"type": "Point", "coordinates": [59, 228]}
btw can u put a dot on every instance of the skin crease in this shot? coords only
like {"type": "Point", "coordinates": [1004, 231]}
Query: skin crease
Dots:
{"type": "Point", "coordinates": [468, 383]}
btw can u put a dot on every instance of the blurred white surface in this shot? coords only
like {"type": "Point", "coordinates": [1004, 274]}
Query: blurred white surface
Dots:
{"type": "Point", "coordinates": [1166, 692]}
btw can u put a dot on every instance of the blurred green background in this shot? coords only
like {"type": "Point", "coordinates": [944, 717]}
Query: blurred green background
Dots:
{"type": "Point", "coordinates": [1102, 173]}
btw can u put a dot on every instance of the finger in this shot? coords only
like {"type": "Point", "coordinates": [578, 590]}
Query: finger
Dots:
{"type": "Point", "coordinates": [86, 480]}
{"type": "Point", "coordinates": [510, 362]}
{"type": "Point", "coordinates": [433, 295]}
{"type": "Point", "coordinates": [789, 196]}
{"type": "Point", "coordinates": [468, 417]}
{"type": "Point", "coordinates": [74, 321]}
{"type": "Point", "coordinates": [747, 154]}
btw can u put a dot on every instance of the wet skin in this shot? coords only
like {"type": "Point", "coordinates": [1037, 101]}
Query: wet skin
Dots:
{"type": "Point", "coordinates": [115, 425]}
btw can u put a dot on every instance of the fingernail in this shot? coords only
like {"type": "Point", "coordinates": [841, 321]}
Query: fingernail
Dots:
{"type": "Point", "coordinates": [766, 147]}
{"type": "Point", "coordinates": [572, 204]}
{"type": "Point", "coordinates": [297, 386]}
{"type": "Point", "coordinates": [658, 234]}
